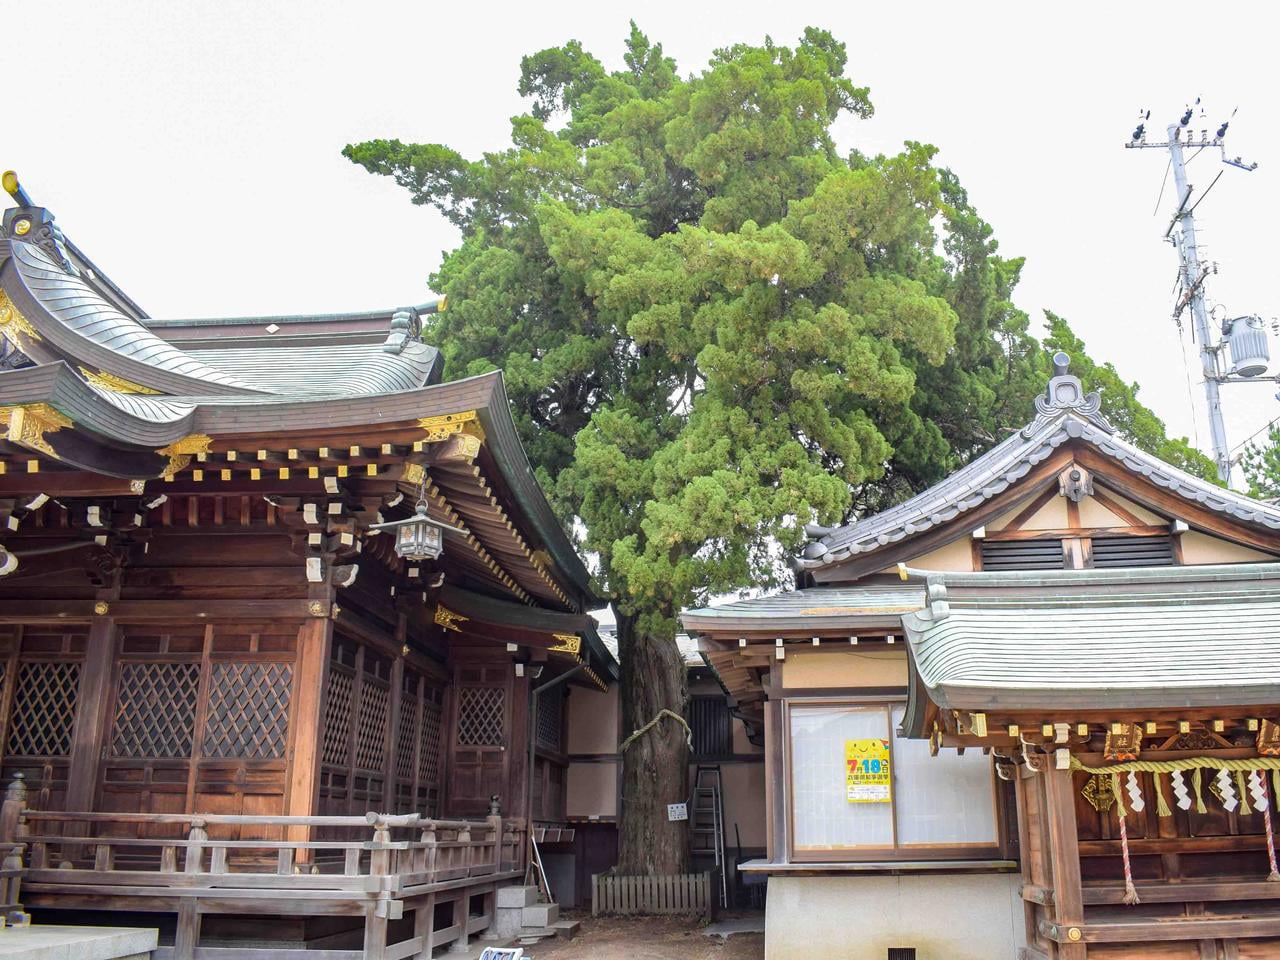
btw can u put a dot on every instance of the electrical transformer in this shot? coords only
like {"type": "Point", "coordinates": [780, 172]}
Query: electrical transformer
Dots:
{"type": "Point", "coordinates": [1250, 353]}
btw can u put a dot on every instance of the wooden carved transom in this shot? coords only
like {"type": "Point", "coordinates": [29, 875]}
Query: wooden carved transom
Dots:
{"type": "Point", "coordinates": [44, 709]}
{"type": "Point", "coordinates": [481, 716]}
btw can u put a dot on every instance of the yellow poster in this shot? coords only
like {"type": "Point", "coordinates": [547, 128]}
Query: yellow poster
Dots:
{"type": "Point", "coordinates": [866, 771]}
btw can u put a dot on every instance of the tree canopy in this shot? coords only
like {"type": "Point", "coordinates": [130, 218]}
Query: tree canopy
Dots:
{"type": "Point", "coordinates": [717, 327]}
{"type": "Point", "coordinates": [714, 326]}
{"type": "Point", "coordinates": [1261, 464]}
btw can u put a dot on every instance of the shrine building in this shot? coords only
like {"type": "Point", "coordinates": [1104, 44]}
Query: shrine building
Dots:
{"type": "Point", "coordinates": [1032, 713]}
{"type": "Point", "coordinates": [290, 638]}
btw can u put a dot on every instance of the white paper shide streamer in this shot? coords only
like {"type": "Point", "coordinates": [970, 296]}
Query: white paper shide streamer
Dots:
{"type": "Point", "coordinates": [1135, 793]}
{"type": "Point", "coordinates": [1228, 791]}
{"type": "Point", "coordinates": [1180, 790]}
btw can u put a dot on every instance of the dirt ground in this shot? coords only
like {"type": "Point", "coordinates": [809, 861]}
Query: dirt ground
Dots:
{"type": "Point", "coordinates": [647, 938]}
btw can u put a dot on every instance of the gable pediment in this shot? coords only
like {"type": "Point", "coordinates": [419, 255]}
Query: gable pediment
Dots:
{"type": "Point", "coordinates": [1024, 472]}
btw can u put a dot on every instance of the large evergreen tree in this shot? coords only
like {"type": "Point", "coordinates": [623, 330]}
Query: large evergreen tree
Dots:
{"type": "Point", "coordinates": [716, 328]}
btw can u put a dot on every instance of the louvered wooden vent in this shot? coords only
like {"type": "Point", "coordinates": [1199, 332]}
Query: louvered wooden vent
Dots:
{"type": "Point", "coordinates": [1022, 555]}
{"type": "Point", "coordinates": [902, 953]}
{"type": "Point", "coordinates": [712, 727]}
{"type": "Point", "coordinates": [1133, 551]}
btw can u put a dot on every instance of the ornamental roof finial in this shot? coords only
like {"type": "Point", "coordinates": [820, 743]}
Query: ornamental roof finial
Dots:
{"type": "Point", "coordinates": [1065, 393]}
{"type": "Point", "coordinates": [33, 224]}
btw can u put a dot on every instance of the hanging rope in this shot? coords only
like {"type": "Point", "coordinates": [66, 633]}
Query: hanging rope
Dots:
{"type": "Point", "coordinates": [664, 712]}
{"type": "Point", "coordinates": [1274, 875]}
{"type": "Point", "coordinates": [1130, 891]}
{"type": "Point", "coordinates": [1192, 763]}
{"type": "Point", "coordinates": [1162, 805]}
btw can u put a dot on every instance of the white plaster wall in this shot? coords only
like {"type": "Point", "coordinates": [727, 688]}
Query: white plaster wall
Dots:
{"type": "Point", "coordinates": [952, 917]}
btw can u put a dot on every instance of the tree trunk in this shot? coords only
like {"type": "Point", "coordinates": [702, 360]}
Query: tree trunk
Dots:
{"type": "Point", "coordinates": [655, 766]}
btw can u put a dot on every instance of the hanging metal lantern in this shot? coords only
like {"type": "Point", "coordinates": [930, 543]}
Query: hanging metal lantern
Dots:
{"type": "Point", "coordinates": [417, 537]}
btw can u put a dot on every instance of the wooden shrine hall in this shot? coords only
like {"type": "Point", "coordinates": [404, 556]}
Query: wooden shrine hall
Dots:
{"type": "Point", "coordinates": [1059, 738]}
{"type": "Point", "coordinates": [287, 626]}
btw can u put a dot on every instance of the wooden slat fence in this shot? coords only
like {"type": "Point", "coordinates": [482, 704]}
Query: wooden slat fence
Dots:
{"type": "Point", "coordinates": [678, 893]}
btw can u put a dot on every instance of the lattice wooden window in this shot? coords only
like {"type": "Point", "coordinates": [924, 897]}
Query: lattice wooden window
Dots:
{"type": "Point", "coordinates": [155, 710]}
{"type": "Point", "coordinates": [44, 709]}
{"type": "Point", "coordinates": [429, 760]}
{"type": "Point", "coordinates": [550, 720]}
{"type": "Point", "coordinates": [248, 711]}
{"type": "Point", "coordinates": [371, 732]}
{"type": "Point", "coordinates": [481, 716]}
{"type": "Point", "coordinates": [407, 738]}
{"type": "Point", "coordinates": [337, 718]}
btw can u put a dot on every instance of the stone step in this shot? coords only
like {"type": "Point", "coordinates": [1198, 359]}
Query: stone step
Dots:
{"type": "Point", "coordinates": [539, 915]}
{"type": "Point", "coordinates": [517, 896]}
{"type": "Point", "coordinates": [568, 929]}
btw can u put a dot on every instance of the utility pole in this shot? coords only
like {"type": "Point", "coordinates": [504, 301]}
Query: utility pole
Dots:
{"type": "Point", "coordinates": [1192, 275]}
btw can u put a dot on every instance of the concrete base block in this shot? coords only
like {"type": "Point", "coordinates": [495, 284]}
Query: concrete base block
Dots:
{"type": "Point", "coordinates": [517, 896]}
{"type": "Point", "coordinates": [944, 917]}
{"type": "Point", "coordinates": [540, 914]}
{"type": "Point", "coordinates": [46, 942]}
{"type": "Point", "coordinates": [506, 922]}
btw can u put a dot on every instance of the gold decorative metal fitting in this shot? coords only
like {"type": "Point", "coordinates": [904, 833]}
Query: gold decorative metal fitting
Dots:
{"type": "Point", "coordinates": [28, 424]}
{"type": "Point", "coordinates": [566, 643]}
{"type": "Point", "coordinates": [181, 451]}
{"type": "Point", "coordinates": [449, 425]}
{"type": "Point", "coordinates": [448, 619]}
{"type": "Point", "coordinates": [109, 381]}
{"type": "Point", "coordinates": [317, 609]}
{"type": "Point", "coordinates": [22, 227]}
{"type": "Point", "coordinates": [100, 608]}
{"type": "Point", "coordinates": [414, 473]}
{"type": "Point", "coordinates": [13, 324]}
{"type": "Point", "coordinates": [1074, 934]}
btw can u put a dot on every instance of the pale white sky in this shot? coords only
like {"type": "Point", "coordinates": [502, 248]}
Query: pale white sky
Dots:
{"type": "Point", "coordinates": [192, 149]}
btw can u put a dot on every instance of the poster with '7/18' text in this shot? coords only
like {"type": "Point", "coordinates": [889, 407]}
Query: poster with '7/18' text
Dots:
{"type": "Point", "coordinates": [866, 771]}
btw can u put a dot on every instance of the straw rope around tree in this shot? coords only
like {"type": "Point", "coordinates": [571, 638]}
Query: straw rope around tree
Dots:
{"type": "Point", "coordinates": [1233, 795]}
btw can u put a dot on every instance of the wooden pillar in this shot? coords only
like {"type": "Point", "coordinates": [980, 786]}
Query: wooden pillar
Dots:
{"type": "Point", "coordinates": [391, 751]}
{"type": "Point", "coordinates": [424, 925]}
{"type": "Point", "coordinates": [519, 775]}
{"type": "Point", "coordinates": [91, 715]}
{"type": "Point", "coordinates": [1064, 860]}
{"type": "Point", "coordinates": [314, 638]}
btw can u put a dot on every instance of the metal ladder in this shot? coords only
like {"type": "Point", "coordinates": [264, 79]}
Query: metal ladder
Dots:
{"type": "Point", "coordinates": [708, 821]}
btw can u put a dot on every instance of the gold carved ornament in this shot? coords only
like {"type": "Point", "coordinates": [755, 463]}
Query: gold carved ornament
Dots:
{"type": "Point", "coordinates": [1097, 790]}
{"type": "Point", "coordinates": [27, 425]}
{"type": "Point", "coordinates": [109, 381]}
{"type": "Point", "coordinates": [463, 429]}
{"type": "Point", "coordinates": [449, 620]}
{"type": "Point", "coordinates": [181, 451]}
{"type": "Point", "coordinates": [13, 325]}
{"type": "Point", "coordinates": [566, 643]}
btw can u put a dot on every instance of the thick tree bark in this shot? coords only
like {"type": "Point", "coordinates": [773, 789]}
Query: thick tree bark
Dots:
{"type": "Point", "coordinates": [655, 766]}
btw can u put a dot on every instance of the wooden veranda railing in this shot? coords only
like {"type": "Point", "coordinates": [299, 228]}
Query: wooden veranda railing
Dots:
{"type": "Point", "coordinates": [378, 867]}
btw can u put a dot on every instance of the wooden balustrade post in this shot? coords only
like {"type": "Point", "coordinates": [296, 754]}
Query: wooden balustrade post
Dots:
{"type": "Point", "coordinates": [495, 831]}
{"type": "Point", "coordinates": [194, 862]}
{"type": "Point", "coordinates": [468, 851]}
{"type": "Point", "coordinates": [432, 851]}
{"type": "Point", "coordinates": [15, 801]}
{"type": "Point", "coordinates": [375, 919]}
